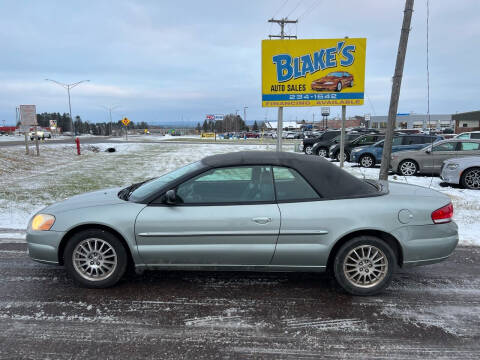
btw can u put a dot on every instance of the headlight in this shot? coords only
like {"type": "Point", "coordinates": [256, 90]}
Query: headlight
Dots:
{"type": "Point", "coordinates": [42, 222]}
{"type": "Point", "coordinates": [452, 166]}
{"type": "Point", "coordinates": [331, 147]}
{"type": "Point", "coordinates": [328, 83]}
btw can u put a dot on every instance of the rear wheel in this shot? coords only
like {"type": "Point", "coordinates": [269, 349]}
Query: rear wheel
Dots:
{"type": "Point", "coordinates": [95, 258]}
{"type": "Point", "coordinates": [322, 152]}
{"type": "Point", "coordinates": [367, 161]}
{"type": "Point", "coordinates": [364, 265]}
{"type": "Point", "coordinates": [471, 179]}
{"type": "Point", "coordinates": [408, 168]}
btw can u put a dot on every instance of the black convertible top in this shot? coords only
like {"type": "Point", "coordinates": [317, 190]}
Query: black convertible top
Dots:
{"type": "Point", "coordinates": [329, 180]}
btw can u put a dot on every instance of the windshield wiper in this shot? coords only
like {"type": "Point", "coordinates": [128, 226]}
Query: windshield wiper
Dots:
{"type": "Point", "coordinates": [124, 194]}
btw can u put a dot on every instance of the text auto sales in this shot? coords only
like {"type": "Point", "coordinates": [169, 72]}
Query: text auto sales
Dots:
{"type": "Point", "coordinates": [289, 68]}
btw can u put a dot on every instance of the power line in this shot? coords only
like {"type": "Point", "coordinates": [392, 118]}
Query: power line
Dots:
{"type": "Point", "coordinates": [295, 8]}
{"type": "Point", "coordinates": [310, 8]}
{"type": "Point", "coordinates": [280, 8]}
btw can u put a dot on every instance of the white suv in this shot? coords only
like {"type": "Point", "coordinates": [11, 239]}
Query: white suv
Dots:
{"type": "Point", "coordinates": [469, 135]}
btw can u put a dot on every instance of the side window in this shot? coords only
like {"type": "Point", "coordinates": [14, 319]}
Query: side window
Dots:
{"type": "Point", "coordinates": [449, 146]}
{"type": "Point", "coordinates": [397, 141]}
{"type": "Point", "coordinates": [290, 185]}
{"type": "Point", "coordinates": [475, 136]}
{"type": "Point", "coordinates": [469, 146]}
{"type": "Point", "coordinates": [242, 184]}
{"type": "Point", "coordinates": [464, 136]}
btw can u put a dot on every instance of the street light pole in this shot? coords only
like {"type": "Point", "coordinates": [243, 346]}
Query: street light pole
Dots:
{"type": "Point", "coordinates": [245, 114]}
{"type": "Point", "coordinates": [68, 87]}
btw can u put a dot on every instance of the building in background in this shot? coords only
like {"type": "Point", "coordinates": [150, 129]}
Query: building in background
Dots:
{"type": "Point", "coordinates": [467, 121]}
{"type": "Point", "coordinates": [414, 121]}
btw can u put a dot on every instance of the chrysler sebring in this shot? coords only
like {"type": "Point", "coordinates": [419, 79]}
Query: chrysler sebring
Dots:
{"type": "Point", "coordinates": [254, 210]}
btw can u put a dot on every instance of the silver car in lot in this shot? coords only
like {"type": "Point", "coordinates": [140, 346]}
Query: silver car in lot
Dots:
{"type": "Point", "coordinates": [463, 171]}
{"type": "Point", "coordinates": [429, 160]}
{"type": "Point", "coordinates": [254, 210]}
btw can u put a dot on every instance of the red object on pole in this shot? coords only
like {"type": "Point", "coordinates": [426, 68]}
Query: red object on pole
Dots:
{"type": "Point", "coordinates": [77, 140]}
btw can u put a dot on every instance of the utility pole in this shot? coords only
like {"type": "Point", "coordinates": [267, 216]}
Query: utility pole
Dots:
{"type": "Point", "coordinates": [236, 123]}
{"type": "Point", "coordinates": [397, 82]}
{"type": "Point", "coordinates": [245, 114]}
{"type": "Point", "coordinates": [282, 36]}
{"type": "Point", "coordinates": [68, 87]}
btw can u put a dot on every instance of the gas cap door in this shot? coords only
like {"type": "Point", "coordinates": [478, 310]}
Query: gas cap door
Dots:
{"type": "Point", "coordinates": [405, 216]}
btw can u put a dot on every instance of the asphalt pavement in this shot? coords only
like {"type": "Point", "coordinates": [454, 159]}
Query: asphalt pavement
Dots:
{"type": "Point", "coordinates": [430, 312]}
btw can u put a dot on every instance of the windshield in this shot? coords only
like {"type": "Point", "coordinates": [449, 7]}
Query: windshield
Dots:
{"type": "Point", "coordinates": [153, 186]}
{"type": "Point", "coordinates": [337, 74]}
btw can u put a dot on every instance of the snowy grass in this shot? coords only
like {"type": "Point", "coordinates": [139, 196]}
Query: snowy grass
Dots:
{"type": "Point", "coordinates": [29, 183]}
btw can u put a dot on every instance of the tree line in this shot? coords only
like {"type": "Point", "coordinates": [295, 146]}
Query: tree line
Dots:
{"type": "Point", "coordinates": [230, 123]}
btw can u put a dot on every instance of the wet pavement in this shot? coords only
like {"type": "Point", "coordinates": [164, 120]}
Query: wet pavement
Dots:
{"type": "Point", "coordinates": [428, 312]}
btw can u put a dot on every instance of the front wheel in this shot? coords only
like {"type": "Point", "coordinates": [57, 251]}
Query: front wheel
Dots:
{"type": "Point", "coordinates": [471, 179]}
{"type": "Point", "coordinates": [309, 150]}
{"type": "Point", "coordinates": [339, 86]}
{"type": "Point", "coordinates": [346, 156]}
{"type": "Point", "coordinates": [364, 265]}
{"type": "Point", "coordinates": [322, 152]}
{"type": "Point", "coordinates": [408, 168]}
{"type": "Point", "coordinates": [367, 161]}
{"type": "Point", "coordinates": [95, 258]}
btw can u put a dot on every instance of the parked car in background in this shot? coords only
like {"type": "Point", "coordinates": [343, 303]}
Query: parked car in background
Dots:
{"type": "Point", "coordinates": [469, 135]}
{"type": "Point", "coordinates": [321, 147]}
{"type": "Point", "coordinates": [429, 160]}
{"type": "Point", "coordinates": [463, 171]}
{"type": "Point", "coordinates": [308, 143]}
{"type": "Point", "coordinates": [334, 81]}
{"type": "Point", "coordinates": [369, 156]}
{"type": "Point", "coordinates": [47, 135]}
{"type": "Point", "coordinates": [39, 135]}
{"type": "Point", "coordinates": [365, 130]}
{"type": "Point", "coordinates": [368, 139]}
{"type": "Point", "coordinates": [251, 210]}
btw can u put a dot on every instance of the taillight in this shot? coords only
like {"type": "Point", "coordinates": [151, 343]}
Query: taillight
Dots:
{"type": "Point", "coordinates": [443, 215]}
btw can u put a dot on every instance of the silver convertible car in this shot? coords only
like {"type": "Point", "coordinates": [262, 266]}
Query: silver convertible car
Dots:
{"type": "Point", "coordinates": [259, 211]}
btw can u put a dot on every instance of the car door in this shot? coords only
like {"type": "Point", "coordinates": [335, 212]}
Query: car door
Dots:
{"type": "Point", "coordinates": [442, 152]}
{"type": "Point", "coordinates": [225, 216]}
{"type": "Point", "coordinates": [469, 148]}
{"type": "Point", "coordinates": [302, 237]}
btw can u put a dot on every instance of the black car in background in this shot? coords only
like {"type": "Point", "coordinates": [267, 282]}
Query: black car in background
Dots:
{"type": "Point", "coordinates": [321, 147]}
{"type": "Point", "coordinates": [368, 139]}
{"type": "Point", "coordinates": [308, 143]}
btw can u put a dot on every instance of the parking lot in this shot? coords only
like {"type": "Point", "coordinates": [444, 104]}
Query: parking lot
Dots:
{"type": "Point", "coordinates": [428, 312]}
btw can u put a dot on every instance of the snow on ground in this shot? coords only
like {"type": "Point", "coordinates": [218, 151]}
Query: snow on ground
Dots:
{"type": "Point", "coordinates": [30, 183]}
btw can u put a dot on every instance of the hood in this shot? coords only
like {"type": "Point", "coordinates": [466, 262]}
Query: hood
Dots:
{"type": "Point", "coordinates": [358, 148]}
{"type": "Point", "coordinates": [95, 198]}
{"type": "Point", "coordinates": [326, 78]}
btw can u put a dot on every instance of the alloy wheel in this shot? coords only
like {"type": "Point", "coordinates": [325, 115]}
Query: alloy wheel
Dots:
{"type": "Point", "coordinates": [322, 152]}
{"type": "Point", "coordinates": [365, 266]}
{"type": "Point", "coordinates": [408, 168]}
{"type": "Point", "coordinates": [472, 179]}
{"type": "Point", "coordinates": [366, 161]}
{"type": "Point", "coordinates": [308, 150]}
{"type": "Point", "coordinates": [94, 259]}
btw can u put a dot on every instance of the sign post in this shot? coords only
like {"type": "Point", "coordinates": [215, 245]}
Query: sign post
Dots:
{"type": "Point", "coordinates": [125, 122]}
{"type": "Point", "coordinates": [28, 117]}
{"type": "Point", "coordinates": [314, 72]}
{"type": "Point", "coordinates": [325, 114]}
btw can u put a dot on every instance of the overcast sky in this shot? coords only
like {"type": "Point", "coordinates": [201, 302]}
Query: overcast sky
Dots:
{"type": "Point", "coordinates": [164, 61]}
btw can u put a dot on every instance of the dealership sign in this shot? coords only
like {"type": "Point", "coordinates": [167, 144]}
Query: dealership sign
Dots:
{"type": "Point", "coordinates": [28, 115]}
{"type": "Point", "coordinates": [315, 72]}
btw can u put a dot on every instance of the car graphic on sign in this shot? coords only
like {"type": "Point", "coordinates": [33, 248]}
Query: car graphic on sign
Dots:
{"type": "Point", "coordinates": [334, 81]}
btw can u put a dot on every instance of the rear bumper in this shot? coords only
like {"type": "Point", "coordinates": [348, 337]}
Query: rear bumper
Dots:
{"type": "Point", "coordinates": [43, 245]}
{"type": "Point", "coordinates": [427, 244]}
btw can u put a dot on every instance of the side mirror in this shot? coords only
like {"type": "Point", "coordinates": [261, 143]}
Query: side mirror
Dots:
{"type": "Point", "coordinates": [171, 197]}
{"type": "Point", "coordinates": [428, 151]}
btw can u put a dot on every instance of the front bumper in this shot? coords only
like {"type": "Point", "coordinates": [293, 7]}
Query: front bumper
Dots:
{"type": "Point", "coordinates": [450, 176]}
{"type": "Point", "coordinates": [43, 245]}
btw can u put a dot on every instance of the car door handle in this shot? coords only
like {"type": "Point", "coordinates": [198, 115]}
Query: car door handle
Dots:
{"type": "Point", "coordinates": [262, 220]}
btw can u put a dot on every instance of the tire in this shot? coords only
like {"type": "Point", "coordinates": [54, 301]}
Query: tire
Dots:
{"type": "Point", "coordinates": [321, 151]}
{"type": "Point", "coordinates": [339, 86]}
{"type": "Point", "coordinates": [408, 168]}
{"type": "Point", "coordinates": [367, 161]}
{"type": "Point", "coordinates": [346, 156]}
{"type": "Point", "coordinates": [351, 84]}
{"type": "Point", "coordinates": [309, 150]}
{"type": "Point", "coordinates": [364, 265]}
{"type": "Point", "coordinates": [471, 179]}
{"type": "Point", "coordinates": [113, 261]}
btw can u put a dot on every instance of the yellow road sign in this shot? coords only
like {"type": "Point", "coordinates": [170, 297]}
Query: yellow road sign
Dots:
{"type": "Point", "coordinates": [125, 121]}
